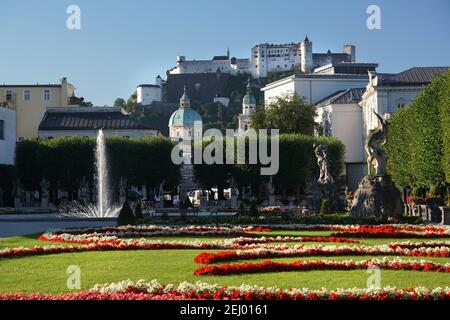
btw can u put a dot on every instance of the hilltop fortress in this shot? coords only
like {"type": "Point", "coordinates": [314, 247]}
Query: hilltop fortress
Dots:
{"type": "Point", "coordinates": [267, 58]}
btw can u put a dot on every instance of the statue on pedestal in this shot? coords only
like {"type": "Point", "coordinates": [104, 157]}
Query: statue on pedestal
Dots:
{"type": "Point", "coordinates": [324, 188]}
{"type": "Point", "coordinates": [323, 163]}
{"type": "Point", "coordinates": [44, 193]}
{"type": "Point", "coordinates": [375, 153]}
{"type": "Point", "coordinates": [376, 194]}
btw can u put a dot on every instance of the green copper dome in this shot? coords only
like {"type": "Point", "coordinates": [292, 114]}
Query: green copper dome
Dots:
{"type": "Point", "coordinates": [249, 98]}
{"type": "Point", "coordinates": [185, 115]}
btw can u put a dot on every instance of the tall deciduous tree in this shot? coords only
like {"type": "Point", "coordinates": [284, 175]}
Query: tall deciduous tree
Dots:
{"type": "Point", "coordinates": [289, 114]}
{"type": "Point", "coordinates": [120, 102]}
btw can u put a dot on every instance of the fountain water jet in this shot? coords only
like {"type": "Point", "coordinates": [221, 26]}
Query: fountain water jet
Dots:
{"type": "Point", "coordinates": [101, 175]}
{"type": "Point", "coordinates": [104, 208]}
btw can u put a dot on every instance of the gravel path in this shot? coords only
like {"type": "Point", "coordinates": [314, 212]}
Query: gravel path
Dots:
{"type": "Point", "coordinates": [18, 228]}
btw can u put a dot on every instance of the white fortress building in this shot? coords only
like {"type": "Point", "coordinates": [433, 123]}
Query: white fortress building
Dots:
{"type": "Point", "coordinates": [149, 93]}
{"type": "Point", "coordinates": [267, 58]}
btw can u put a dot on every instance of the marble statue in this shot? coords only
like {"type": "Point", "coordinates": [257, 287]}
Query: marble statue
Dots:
{"type": "Point", "coordinates": [323, 163]}
{"type": "Point", "coordinates": [375, 153]}
{"type": "Point", "coordinates": [376, 194]}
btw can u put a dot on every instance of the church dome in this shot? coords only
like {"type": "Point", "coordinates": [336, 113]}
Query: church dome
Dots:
{"type": "Point", "coordinates": [249, 98]}
{"type": "Point", "coordinates": [185, 115]}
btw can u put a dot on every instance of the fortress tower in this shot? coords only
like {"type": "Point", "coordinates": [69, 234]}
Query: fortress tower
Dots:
{"type": "Point", "coordinates": [306, 62]}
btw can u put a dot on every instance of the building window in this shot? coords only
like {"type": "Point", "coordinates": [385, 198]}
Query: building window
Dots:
{"type": "Point", "coordinates": [27, 95]}
{"type": "Point", "coordinates": [9, 95]}
{"type": "Point", "coordinates": [46, 95]}
{"type": "Point", "coordinates": [2, 129]}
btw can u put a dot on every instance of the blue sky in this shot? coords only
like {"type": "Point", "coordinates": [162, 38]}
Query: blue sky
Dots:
{"type": "Point", "coordinates": [125, 43]}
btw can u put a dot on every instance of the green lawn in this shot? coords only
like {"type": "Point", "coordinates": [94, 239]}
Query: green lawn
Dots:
{"type": "Point", "coordinates": [47, 274]}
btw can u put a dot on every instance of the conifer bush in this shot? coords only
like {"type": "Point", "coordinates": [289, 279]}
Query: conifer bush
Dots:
{"type": "Point", "coordinates": [126, 216]}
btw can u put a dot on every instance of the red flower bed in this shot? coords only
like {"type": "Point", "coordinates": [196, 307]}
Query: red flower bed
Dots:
{"type": "Point", "coordinates": [88, 295]}
{"type": "Point", "coordinates": [302, 265]}
{"type": "Point", "coordinates": [242, 293]}
{"type": "Point", "coordinates": [295, 239]}
{"type": "Point", "coordinates": [210, 258]}
{"type": "Point", "coordinates": [394, 235]}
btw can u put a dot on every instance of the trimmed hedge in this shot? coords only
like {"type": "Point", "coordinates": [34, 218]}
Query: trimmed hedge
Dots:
{"type": "Point", "coordinates": [418, 144]}
{"type": "Point", "coordinates": [297, 163]}
{"type": "Point", "coordinates": [399, 148]}
{"type": "Point", "coordinates": [64, 161]}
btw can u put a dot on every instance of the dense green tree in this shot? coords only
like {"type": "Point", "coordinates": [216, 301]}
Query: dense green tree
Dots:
{"type": "Point", "coordinates": [289, 114]}
{"type": "Point", "coordinates": [131, 102]}
{"type": "Point", "coordinates": [120, 102]}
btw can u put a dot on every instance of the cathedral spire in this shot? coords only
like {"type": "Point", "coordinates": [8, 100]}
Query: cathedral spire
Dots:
{"type": "Point", "coordinates": [249, 99]}
{"type": "Point", "coordinates": [184, 100]}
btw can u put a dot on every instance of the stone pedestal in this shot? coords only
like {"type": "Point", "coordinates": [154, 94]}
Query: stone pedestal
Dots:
{"type": "Point", "coordinates": [319, 191]}
{"type": "Point", "coordinates": [234, 201]}
{"type": "Point", "coordinates": [377, 196]}
{"type": "Point", "coordinates": [203, 201]}
{"type": "Point", "coordinates": [44, 203]}
{"type": "Point", "coordinates": [445, 215]}
{"type": "Point", "coordinates": [17, 203]}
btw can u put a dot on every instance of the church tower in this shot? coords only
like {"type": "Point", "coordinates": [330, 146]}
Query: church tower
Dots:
{"type": "Point", "coordinates": [248, 107]}
{"type": "Point", "coordinates": [306, 62]}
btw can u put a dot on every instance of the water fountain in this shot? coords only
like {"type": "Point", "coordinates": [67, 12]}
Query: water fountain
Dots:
{"type": "Point", "coordinates": [104, 208]}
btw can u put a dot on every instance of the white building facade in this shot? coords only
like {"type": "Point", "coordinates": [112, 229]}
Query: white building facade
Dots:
{"type": "Point", "coordinates": [312, 87]}
{"type": "Point", "coordinates": [385, 93]}
{"type": "Point", "coordinates": [7, 135]}
{"type": "Point", "coordinates": [340, 116]}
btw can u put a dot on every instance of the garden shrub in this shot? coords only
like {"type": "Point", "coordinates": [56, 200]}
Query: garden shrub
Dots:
{"type": "Point", "coordinates": [325, 207]}
{"type": "Point", "coordinates": [126, 216]}
{"type": "Point", "coordinates": [186, 204]}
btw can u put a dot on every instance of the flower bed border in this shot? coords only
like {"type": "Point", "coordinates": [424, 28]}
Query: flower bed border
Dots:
{"type": "Point", "coordinates": [303, 265]}
{"type": "Point", "coordinates": [392, 249]}
{"type": "Point", "coordinates": [141, 290]}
